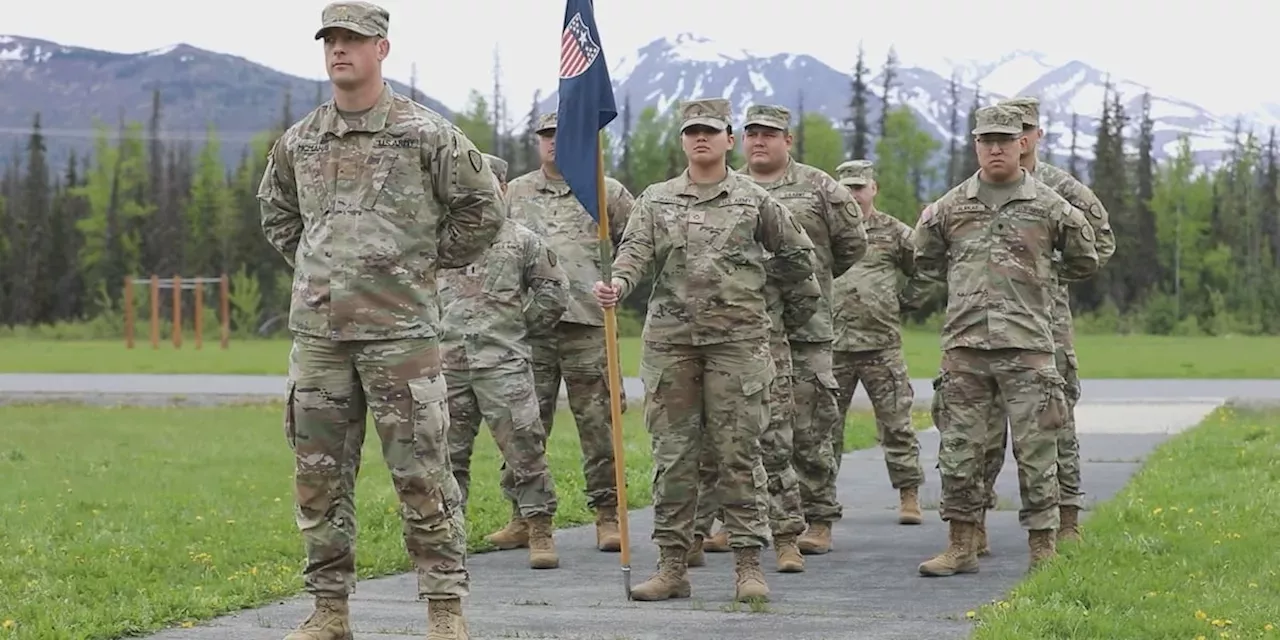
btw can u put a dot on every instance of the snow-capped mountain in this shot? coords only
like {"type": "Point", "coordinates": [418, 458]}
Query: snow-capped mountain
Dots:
{"type": "Point", "coordinates": [689, 66]}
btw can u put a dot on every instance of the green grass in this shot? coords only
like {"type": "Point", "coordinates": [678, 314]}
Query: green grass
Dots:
{"type": "Point", "coordinates": [120, 521]}
{"type": "Point", "coordinates": [1187, 550]}
{"type": "Point", "coordinates": [1101, 356]}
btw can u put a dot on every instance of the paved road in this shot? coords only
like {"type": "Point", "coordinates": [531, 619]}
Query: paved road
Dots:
{"type": "Point", "coordinates": [866, 588]}
{"type": "Point", "coordinates": [210, 389]}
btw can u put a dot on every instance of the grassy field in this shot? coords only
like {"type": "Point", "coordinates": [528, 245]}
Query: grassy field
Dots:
{"type": "Point", "coordinates": [121, 521]}
{"type": "Point", "coordinates": [1187, 550]}
{"type": "Point", "coordinates": [1101, 356]}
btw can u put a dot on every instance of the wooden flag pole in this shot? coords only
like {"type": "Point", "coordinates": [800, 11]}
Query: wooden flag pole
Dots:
{"type": "Point", "coordinates": [614, 370]}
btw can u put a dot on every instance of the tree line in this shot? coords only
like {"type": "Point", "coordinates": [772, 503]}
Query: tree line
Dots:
{"type": "Point", "coordinates": [1199, 246]}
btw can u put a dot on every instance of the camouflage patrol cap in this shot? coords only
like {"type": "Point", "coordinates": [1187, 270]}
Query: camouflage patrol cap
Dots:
{"type": "Point", "coordinates": [998, 119]}
{"type": "Point", "coordinates": [546, 122]}
{"type": "Point", "coordinates": [768, 115]}
{"type": "Point", "coordinates": [1028, 107]}
{"type": "Point", "coordinates": [856, 173]}
{"type": "Point", "coordinates": [497, 165]}
{"type": "Point", "coordinates": [364, 18]}
{"type": "Point", "coordinates": [708, 112]}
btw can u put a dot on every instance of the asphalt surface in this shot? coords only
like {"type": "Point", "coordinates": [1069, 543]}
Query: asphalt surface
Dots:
{"type": "Point", "coordinates": [149, 389]}
{"type": "Point", "coordinates": [866, 588]}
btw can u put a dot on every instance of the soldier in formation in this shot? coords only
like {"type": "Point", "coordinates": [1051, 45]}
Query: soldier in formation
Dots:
{"type": "Point", "coordinates": [573, 349]}
{"type": "Point", "coordinates": [997, 339]}
{"type": "Point", "coordinates": [1082, 198]}
{"type": "Point", "coordinates": [488, 307]}
{"type": "Point", "coordinates": [868, 303]}
{"type": "Point", "coordinates": [364, 243]}
{"type": "Point", "coordinates": [708, 236]}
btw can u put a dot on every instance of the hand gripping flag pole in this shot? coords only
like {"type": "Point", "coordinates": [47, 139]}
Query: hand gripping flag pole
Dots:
{"type": "Point", "coordinates": [586, 106]}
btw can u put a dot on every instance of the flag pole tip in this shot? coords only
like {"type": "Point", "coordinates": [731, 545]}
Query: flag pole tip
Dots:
{"type": "Point", "coordinates": [626, 580]}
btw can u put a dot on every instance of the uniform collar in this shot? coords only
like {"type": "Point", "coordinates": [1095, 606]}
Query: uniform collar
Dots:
{"type": "Point", "coordinates": [373, 121]}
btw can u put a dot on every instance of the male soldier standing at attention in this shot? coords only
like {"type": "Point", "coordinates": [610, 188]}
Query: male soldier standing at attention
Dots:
{"type": "Point", "coordinates": [1082, 198]}
{"type": "Point", "coordinates": [574, 349]}
{"type": "Point", "coordinates": [365, 198]}
{"type": "Point", "coordinates": [486, 308]}
{"type": "Point", "coordinates": [992, 239]}
{"type": "Point", "coordinates": [833, 222]}
{"type": "Point", "coordinates": [708, 235]}
{"type": "Point", "coordinates": [868, 304]}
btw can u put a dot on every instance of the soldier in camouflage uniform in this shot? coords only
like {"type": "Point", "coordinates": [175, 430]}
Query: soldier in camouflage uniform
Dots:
{"type": "Point", "coordinates": [789, 309]}
{"type": "Point", "coordinates": [365, 198]}
{"type": "Point", "coordinates": [868, 347]}
{"type": "Point", "coordinates": [992, 239]}
{"type": "Point", "coordinates": [486, 308]}
{"type": "Point", "coordinates": [834, 224]}
{"type": "Point", "coordinates": [1082, 198]}
{"type": "Point", "coordinates": [574, 348]}
{"type": "Point", "coordinates": [707, 235]}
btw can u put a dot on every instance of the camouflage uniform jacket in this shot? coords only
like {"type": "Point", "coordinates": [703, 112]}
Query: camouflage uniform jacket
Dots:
{"type": "Point", "coordinates": [549, 208]}
{"type": "Point", "coordinates": [710, 258]}
{"type": "Point", "coordinates": [998, 265]}
{"type": "Point", "coordinates": [833, 221]}
{"type": "Point", "coordinates": [1082, 198]}
{"type": "Point", "coordinates": [489, 306]}
{"type": "Point", "coordinates": [365, 215]}
{"type": "Point", "coordinates": [868, 298]}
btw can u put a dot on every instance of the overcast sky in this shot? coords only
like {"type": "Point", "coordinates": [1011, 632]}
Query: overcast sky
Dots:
{"type": "Point", "coordinates": [1215, 54]}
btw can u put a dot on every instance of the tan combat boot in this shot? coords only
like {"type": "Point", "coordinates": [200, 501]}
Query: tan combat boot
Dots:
{"type": "Point", "coordinates": [542, 546]}
{"type": "Point", "coordinates": [1043, 547]}
{"type": "Point", "coordinates": [671, 580]}
{"type": "Point", "coordinates": [1069, 529]}
{"type": "Point", "coordinates": [445, 621]}
{"type": "Point", "coordinates": [330, 620]}
{"type": "Point", "coordinates": [719, 543]}
{"type": "Point", "coordinates": [980, 536]}
{"type": "Point", "coordinates": [816, 540]}
{"type": "Point", "coordinates": [789, 558]}
{"type": "Point", "coordinates": [696, 557]}
{"type": "Point", "coordinates": [750, 579]}
{"type": "Point", "coordinates": [909, 506]}
{"type": "Point", "coordinates": [960, 556]}
{"type": "Point", "coordinates": [608, 538]}
{"type": "Point", "coordinates": [513, 536]}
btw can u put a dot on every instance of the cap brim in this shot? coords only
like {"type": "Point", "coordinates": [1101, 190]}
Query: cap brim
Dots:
{"type": "Point", "coordinates": [854, 182]}
{"type": "Point", "coordinates": [541, 130]}
{"type": "Point", "coordinates": [1008, 131]}
{"type": "Point", "coordinates": [703, 121]}
{"type": "Point", "coordinates": [349, 26]}
{"type": "Point", "coordinates": [765, 122]}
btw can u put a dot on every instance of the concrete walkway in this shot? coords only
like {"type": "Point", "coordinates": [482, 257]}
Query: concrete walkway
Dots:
{"type": "Point", "coordinates": [866, 588]}
{"type": "Point", "coordinates": [203, 389]}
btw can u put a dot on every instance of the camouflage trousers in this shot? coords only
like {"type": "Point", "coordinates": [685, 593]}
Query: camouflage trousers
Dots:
{"type": "Point", "coordinates": [503, 397]}
{"type": "Point", "coordinates": [576, 353]}
{"type": "Point", "coordinates": [331, 387]}
{"type": "Point", "coordinates": [883, 373]}
{"type": "Point", "coordinates": [817, 420]}
{"type": "Point", "coordinates": [1069, 487]}
{"type": "Point", "coordinates": [786, 511]}
{"type": "Point", "coordinates": [708, 398]}
{"type": "Point", "coordinates": [975, 385]}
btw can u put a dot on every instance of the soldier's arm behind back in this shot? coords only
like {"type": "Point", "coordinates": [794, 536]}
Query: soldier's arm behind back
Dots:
{"type": "Point", "coordinates": [1077, 243]}
{"type": "Point", "coordinates": [1087, 201]}
{"type": "Point", "coordinates": [782, 235]}
{"type": "Point", "coordinates": [462, 181]}
{"type": "Point", "coordinates": [278, 202]}
{"type": "Point", "coordinates": [546, 284]}
{"type": "Point", "coordinates": [845, 223]}
{"type": "Point", "coordinates": [930, 245]}
{"type": "Point", "coordinates": [799, 303]}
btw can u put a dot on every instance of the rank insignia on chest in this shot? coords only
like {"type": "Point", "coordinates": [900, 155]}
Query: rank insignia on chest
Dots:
{"type": "Point", "coordinates": [471, 270]}
{"type": "Point", "coordinates": [696, 216]}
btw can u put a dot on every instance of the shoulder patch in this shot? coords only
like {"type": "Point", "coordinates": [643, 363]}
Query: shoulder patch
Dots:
{"type": "Point", "coordinates": [1086, 232]}
{"type": "Point", "coordinates": [1095, 210]}
{"type": "Point", "coordinates": [477, 161]}
{"type": "Point", "coordinates": [551, 257]}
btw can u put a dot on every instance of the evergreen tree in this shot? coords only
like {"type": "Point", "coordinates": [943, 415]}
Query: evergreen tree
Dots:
{"type": "Point", "coordinates": [859, 144]}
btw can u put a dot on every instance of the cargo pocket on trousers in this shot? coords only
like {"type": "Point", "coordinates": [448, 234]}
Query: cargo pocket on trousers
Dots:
{"type": "Point", "coordinates": [1051, 412]}
{"type": "Point", "coordinates": [430, 416]}
{"type": "Point", "coordinates": [938, 408]}
{"type": "Point", "coordinates": [290, 416]}
{"type": "Point", "coordinates": [755, 388]}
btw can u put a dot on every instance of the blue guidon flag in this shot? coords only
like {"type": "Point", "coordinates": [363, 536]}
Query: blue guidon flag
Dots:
{"type": "Point", "coordinates": [586, 103]}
